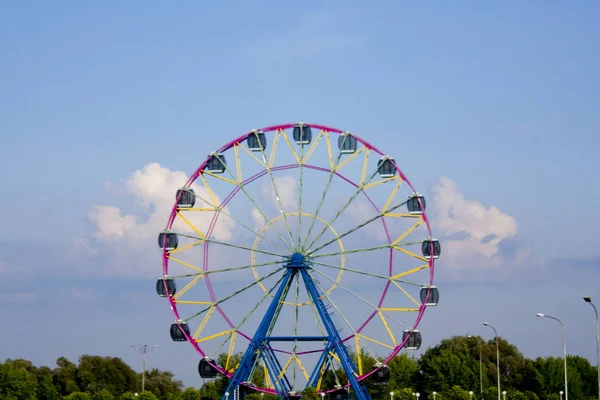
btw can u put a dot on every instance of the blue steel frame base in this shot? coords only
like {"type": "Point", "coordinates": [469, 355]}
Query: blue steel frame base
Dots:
{"type": "Point", "coordinates": [260, 345]}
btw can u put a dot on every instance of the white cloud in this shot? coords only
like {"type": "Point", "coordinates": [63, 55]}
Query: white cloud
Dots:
{"type": "Point", "coordinates": [152, 190]}
{"type": "Point", "coordinates": [474, 234]}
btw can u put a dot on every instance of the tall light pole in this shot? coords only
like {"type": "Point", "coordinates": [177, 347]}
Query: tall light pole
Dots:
{"type": "Point", "coordinates": [504, 394]}
{"type": "Point", "coordinates": [589, 300]}
{"type": "Point", "coordinates": [564, 348]}
{"type": "Point", "coordinates": [497, 355]}
{"type": "Point", "coordinates": [479, 340]}
{"type": "Point", "coordinates": [434, 393]}
{"type": "Point", "coordinates": [144, 349]}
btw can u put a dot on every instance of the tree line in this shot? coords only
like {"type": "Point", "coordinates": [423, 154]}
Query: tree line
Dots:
{"type": "Point", "coordinates": [452, 369]}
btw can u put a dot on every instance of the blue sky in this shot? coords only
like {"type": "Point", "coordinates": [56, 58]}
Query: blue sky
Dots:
{"type": "Point", "coordinates": [500, 98]}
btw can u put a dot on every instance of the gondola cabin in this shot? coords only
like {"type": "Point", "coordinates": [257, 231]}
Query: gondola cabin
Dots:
{"type": "Point", "coordinates": [165, 286]}
{"type": "Point", "coordinates": [382, 376]}
{"type": "Point", "coordinates": [257, 141]}
{"type": "Point", "coordinates": [430, 295]}
{"type": "Point", "coordinates": [413, 204]}
{"type": "Point", "coordinates": [186, 197]}
{"type": "Point", "coordinates": [176, 331]}
{"type": "Point", "coordinates": [168, 240]}
{"type": "Point", "coordinates": [206, 370]}
{"type": "Point", "coordinates": [347, 143]}
{"type": "Point", "coordinates": [386, 168]}
{"type": "Point", "coordinates": [412, 338]}
{"type": "Point", "coordinates": [302, 134]}
{"type": "Point", "coordinates": [215, 164]}
{"type": "Point", "coordinates": [431, 248]}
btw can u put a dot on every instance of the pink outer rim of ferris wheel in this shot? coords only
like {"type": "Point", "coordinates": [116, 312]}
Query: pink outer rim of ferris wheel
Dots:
{"type": "Point", "coordinates": [227, 146]}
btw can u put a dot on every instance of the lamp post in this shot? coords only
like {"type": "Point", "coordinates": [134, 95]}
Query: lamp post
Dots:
{"type": "Point", "coordinates": [322, 395]}
{"type": "Point", "coordinates": [144, 349]}
{"type": "Point", "coordinates": [497, 355]}
{"type": "Point", "coordinates": [418, 395]}
{"type": "Point", "coordinates": [561, 393]}
{"type": "Point", "coordinates": [480, 365]}
{"type": "Point", "coordinates": [227, 395]}
{"type": "Point", "coordinates": [392, 395]}
{"type": "Point", "coordinates": [504, 394]}
{"type": "Point", "coordinates": [470, 394]}
{"type": "Point", "coordinates": [589, 300]}
{"type": "Point", "coordinates": [434, 393]}
{"type": "Point", "coordinates": [564, 349]}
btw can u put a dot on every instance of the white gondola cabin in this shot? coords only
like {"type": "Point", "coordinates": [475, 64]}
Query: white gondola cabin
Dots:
{"type": "Point", "coordinates": [176, 331]}
{"type": "Point", "coordinates": [216, 163]}
{"type": "Point", "coordinates": [382, 375]}
{"type": "Point", "coordinates": [412, 339]}
{"type": "Point", "coordinates": [413, 204]}
{"type": "Point", "coordinates": [386, 167]}
{"type": "Point", "coordinates": [186, 197]}
{"type": "Point", "coordinates": [168, 240]}
{"type": "Point", "coordinates": [257, 141]}
{"type": "Point", "coordinates": [347, 143]}
{"type": "Point", "coordinates": [302, 134]}
{"type": "Point", "coordinates": [430, 295]}
{"type": "Point", "coordinates": [165, 286]}
{"type": "Point", "coordinates": [431, 248]}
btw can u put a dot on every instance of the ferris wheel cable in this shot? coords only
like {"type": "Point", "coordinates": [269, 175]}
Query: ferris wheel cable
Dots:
{"type": "Point", "coordinates": [238, 222]}
{"type": "Point", "coordinates": [247, 266]}
{"type": "Point", "coordinates": [251, 199]}
{"type": "Point", "coordinates": [237, 246]}
{"type": "Point", "coordinates": [341, 210]}
{"type": "Point", "coordinates": [248, 286]}
{"type": "Point", "coordinates": [361, 250]}
{"type": "Point", "coordinates": [269, 167]}
{"type": "Point", "coordinates": [361, 299]}
{"type": "Point", "coordinates": [326, 189]}
{"type": "Point", "coordinates": [300, 186]}
{"type": "Point", "coordinates": [387, 278]}
{"type": "Point", "coordinates": [295, 347]}
{"type": "Point", "coordinates": [248, 315]}
{"type": "Point", "coordinates": [343, 317]}
{"type": "Point", "coordinates": [359, 226]}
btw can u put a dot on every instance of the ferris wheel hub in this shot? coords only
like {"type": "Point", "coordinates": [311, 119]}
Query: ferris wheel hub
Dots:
{"type": "Point", "coordinates": [297, 260]}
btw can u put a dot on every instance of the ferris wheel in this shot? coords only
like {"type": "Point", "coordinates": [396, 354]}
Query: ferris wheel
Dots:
{"type": "Point", "coordinates": [298, 255]}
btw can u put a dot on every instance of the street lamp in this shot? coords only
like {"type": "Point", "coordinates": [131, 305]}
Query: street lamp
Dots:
{"type": "Point", "coordinates": [564, 348]}
{"type": "Point", "coordinates": [497, 355]}
{"type": "Point", "coordinates": [561, 393]}
{"type": "Point", "coordinates": [434, 393]}
{"type": "Point", "coordinates": [144, 349]}
{"type": "Point", "coordinates": [471, 394]}
{"type": "Point", "coordinates": [227, 395]}
{"type": "Point", "coordinates": [418, 395]}
{"type": "Point", "coordinates": [480, 365]}
{"type": "Point", "coordinates": [392, 395]}
{"type": "Point", "coordinates": [504, 394]}
{"type": "Point", "coordinates": [262, 395]}
{"type": "Point", "coordinates": [589, 300]}
{"type": "Point", "coordinates": [322, 395]}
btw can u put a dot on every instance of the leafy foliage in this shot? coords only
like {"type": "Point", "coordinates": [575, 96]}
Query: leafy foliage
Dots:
{"type": "Point", "coordinates": [451, 369]}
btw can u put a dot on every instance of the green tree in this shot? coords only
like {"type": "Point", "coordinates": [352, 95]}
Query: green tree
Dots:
{"type": "Point", "coordinates": [64, 377]}
{"type": "Point", "coordinates": [400, 394]}
{"type": "Point", "coordinates": [17, 381]}
{"type": "Point", "coordinates": [456, 393]}
{"type": "Point", "coordinates": [45, 386]}
{"type": "Point", "coordinates": [310, 393]}
{"type": "Point", "coordinates": [162, 383]}
{"type": "Point", "coordinates": [78, 396]}
{"type": "Point", "coordinates": [102, 395]}
{"type": "Point", "coordinates": [189, 394]}
{"type": "Point", "coordinates": [96, 373]}
{"type": "Point", "coordinates": [147, 396]}
{"type": "Point", "coordinates": [128, 396]}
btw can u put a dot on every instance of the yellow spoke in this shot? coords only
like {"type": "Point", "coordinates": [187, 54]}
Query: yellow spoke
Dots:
{"type": "Point", "coordinates": [364, 168]}
{"type": "Point", "coordinates": [301, 367]}
{"type": "Point", "coordinates": [350, 158]}
{"type": "Point", "coordinates": [285, 367]}
{"type": "Point", "coordinates": [210, 312]}
{"type": "Point", "coordinates": [209, 190]}
{"type": "Point", "coordinates": [358, 358]}
{"type": "Point", "coordinates": [375, 341]}
{"type": "Point", "coordinates": [387, 328]}
{"type": "Point", "coordinates": [220, 177]}
{"type": "Point", "coordinates": [238, 166]}
{"type": "Point", "coordinates": [193, 302]}
{"type": "Point", "coordinates": [188, 223]}
{"type": "Point", "coordinates": [290, 146]}
{"type": "Point", "coordinates": [401, 215]}
{"type": "Point", "coordinates": [411, 271]}
{"type": "Point", "coordinates": [399, 309]}
{"type": "Point", "coordinates": [406, 293]}
{"type": "Point", "coordinates": [198, 209]}
{"type": "Point", "coordinates": [392, 196]}
{"type": "Point", "coordinates": [312, 148]}
{"type": "Point", "coordinates": [188, 286]}
{"type": "Point", "coordinates": [274, 148]}
{"type": "Point", "coordinates": [407, 232]}
{"type": "Point", "coordinates": [253, 156]}
{"type": "Point", "coordinates": [184, 263]}
{"type": "Point", "coordinates": [329, 150]}
{"type": "Point", "coordinates": [231, 348]}
{"type": "Point", "coordinates": [216, 335]}
{"type": "Point", "coordinates": [381, 182]}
